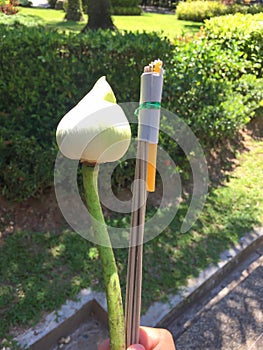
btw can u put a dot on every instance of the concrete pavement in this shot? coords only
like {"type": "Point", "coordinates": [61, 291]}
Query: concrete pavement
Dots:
{"type": "Point", "coordinates": [230, 316]}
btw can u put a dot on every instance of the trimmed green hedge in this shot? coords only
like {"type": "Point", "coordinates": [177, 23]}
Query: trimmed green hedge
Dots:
{"type": "Point", "coordinates": [126, 11]}
{"type": "Point", "coordinates": [121, 7]}
{"type": "Point", "coordinates": [213, 89]}
{"type": "Point", "coordinates": [212, 83]}
{"type": "Point", "coordinates": [125, 3]}
{"type": "Point", "coordinates": [216, 81]}
{"type": "Point", "coordinates": [44, 75]}
{"type": "Point", "coordinates": [125, 7]}
{"type": "Point", "coordinates": [233, 26]}
{"type": "Point", "coordinates": [199, 11]}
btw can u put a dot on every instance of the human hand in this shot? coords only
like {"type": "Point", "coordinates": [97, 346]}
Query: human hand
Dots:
{"type": "Point", "coordinates": [150, 339]}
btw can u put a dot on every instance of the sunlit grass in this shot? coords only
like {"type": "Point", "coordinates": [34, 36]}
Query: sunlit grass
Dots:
{"type": "Point", "coordinates": [41, 270]}
{"type": "Point", "coordinates": [168, 25]}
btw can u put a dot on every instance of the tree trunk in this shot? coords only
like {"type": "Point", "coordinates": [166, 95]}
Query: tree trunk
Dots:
{"type": "Point", "coordinates": [99, 15]}
{"type": "Point", "coordinates": [74, 11]}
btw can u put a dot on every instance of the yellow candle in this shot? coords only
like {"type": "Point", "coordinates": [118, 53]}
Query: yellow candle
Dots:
{"type": "Point", "coordinates": [151, 171]}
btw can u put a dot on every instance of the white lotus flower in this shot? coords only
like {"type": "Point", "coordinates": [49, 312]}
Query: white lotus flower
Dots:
{"type": "Point", "coordinates": [96, 130]}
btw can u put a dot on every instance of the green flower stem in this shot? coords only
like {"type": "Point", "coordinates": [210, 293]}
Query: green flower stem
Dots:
{"type": "Point", "coordinates": [110, 272]}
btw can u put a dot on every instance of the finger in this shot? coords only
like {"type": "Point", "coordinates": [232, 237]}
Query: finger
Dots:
{"type": "Point", "coordinates": [156, 339]}
{"type": "Point", "coordinates": [165, 340]}
{"type": "Point", "coordinates": [149, 337]}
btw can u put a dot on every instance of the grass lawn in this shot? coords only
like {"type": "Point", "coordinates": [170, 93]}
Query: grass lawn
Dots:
{"type": "Point", "coordinates": [39, 271]}
{"type": "Point", "coordinates": [168, 24]}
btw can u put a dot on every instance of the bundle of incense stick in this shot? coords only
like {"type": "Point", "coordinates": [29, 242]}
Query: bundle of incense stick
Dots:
{"type": "Point", "coordinates": [149, 116]}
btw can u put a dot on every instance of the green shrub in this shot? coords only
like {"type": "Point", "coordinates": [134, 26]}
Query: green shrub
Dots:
{"type": "Point", "coordinates": [198, 11]}
{"type": "Point", "coordinates": [27, 166]}
{"type": "Point", "coordinates": [242, 31]}
{"type": "Point", "coordinates": [121, 7]}
{"type": "Point", "coordinates": [126, 11]}
{"type": "Point", "coordinates": [203, 88]}
{"type": "Point", "coordinates": [46, 74]}
{"type": "Point", "coordinates": [233, 26]}
{"type": "Point", "coordinates": [20, 18]}
{"type": "Point", "coordinates": [125, 3]}
{"type": "Point", "coordinates": [244, 9]}
{"type": "Point", "coordinates": [254, 9]}
{"type": "Point", "coordinates": [212, 83]}
{"type": "Point", "coordinates": [125, 7]}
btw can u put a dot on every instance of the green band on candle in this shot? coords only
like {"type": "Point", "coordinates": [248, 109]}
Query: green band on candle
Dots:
{"type": "Point", "coordinates": [147, 105]}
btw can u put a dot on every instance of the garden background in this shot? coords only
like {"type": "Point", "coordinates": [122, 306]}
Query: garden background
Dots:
{"type": "Point", "coordinates": [213, 81]}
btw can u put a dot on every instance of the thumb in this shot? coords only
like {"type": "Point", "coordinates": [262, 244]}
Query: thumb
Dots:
{"type": "Point", "coordinates": [136, 347]}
